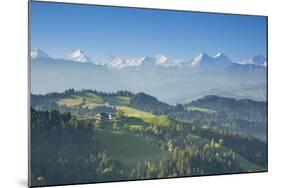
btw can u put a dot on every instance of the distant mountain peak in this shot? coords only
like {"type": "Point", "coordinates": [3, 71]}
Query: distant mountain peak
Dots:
{"type": "Point", "coordinates": [147, 58]}
{"type": "Point", "coordinates": [259, 60]}
{"type": "Point", "coordinates": [217, 62]}
{"type": "Point", "coordinates": [220, 54]}
{"type": "Point", "coordinates": [256, 60]}
{"type": "Point", "coordinates": [78, 56]}
{"type": "Point", "coordinates": [161, 59]}
{"type": "Point", "coordinates": [202, 55]}
{"type": "Point", "coordinates": [222, 58]}
{"type": "Point", "coordinates": [202, 58]}
{"type": "Point", "coordinates": [38, 53]}
{"type": "Point", "coordinates": [119, 63]}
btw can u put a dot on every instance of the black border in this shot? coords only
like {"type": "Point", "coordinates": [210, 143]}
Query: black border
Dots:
{"type": "Point", "coordinates": [132, 7]}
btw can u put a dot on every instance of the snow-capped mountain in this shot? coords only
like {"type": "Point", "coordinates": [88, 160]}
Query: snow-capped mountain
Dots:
{"type": "Point", "coordinates": [164, 61]}
{"type": "Point", "coordinates": [77, 56]}
{"type": "Point", "coordinates": [119, 63]}
{"type": "Point", "coordinates": [221, 58]}
{"type": "Point", "coordinates": [256, 60]}
{"type": "Point", "coordinates": [159, 60]}
{"type": "Point", "coordinates": [204, 61]}
{"type": "Point", "coordinates": [38, 54]}
{"type": "Point", "coordinates": [147, 62]}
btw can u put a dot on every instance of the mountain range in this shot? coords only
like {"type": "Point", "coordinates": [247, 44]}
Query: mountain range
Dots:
{"type": "Point", "coordinates": [171, 80]}
{"type": "Point", "coordinates": [202, 61]}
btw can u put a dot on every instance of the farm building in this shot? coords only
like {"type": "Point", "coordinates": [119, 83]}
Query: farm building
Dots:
{"type": "Point", "coordinates": [112, 117]}
{"type": "Point", "coordinates": [102, 116]}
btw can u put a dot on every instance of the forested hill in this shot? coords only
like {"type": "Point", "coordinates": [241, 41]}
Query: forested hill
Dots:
{"type": "Point", "coordinates": [147, 102]}
{"type": "Point", "coordinates": [242, 115]}
{"type": "Point", "coordinates": [151, 104]}
{"type": "Point", "coordinates": [228, 104]}
{"type": "Point", "coordinates": [253, 109]}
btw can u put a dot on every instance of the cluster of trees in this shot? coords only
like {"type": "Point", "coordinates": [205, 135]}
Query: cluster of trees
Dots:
{"type": "Point", "coordinates": [70, 92]}
{"type": "Point", "coordinates": [150, 104]}
{"type": "Point", "coordinates": [45, 102]}
{"type": "Point", "coordinates": [191, 161]}
{"type": "Point", "coordinates": [123, 93]}
{"type": "Point", "coordinates": [249, 147]}
{"type": "Point", "coordinates": [64, 150]}
{"type": "Point", "coordinates": [82, 110]}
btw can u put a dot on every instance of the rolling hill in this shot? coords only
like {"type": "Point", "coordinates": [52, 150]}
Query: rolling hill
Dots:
{"type": "Point", "coordinates": [242, 115]}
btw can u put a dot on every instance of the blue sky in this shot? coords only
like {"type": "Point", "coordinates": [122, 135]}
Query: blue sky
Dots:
{"type": "Point", "coordinates": [125, 32]}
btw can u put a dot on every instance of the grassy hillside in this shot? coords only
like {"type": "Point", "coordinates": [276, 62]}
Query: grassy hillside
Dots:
{"type": "Point", "coordinates": [145, 116]}
{"type": "Point", "coordinates": [118, 100]}
{"type": "Point", "coordinates": [89, 100]}
{"type": "Point", "coordinates": [206, 110]}
{"type": "Point", "coordinates": [247, 165]}
{"type": "Point", "coordinates": [70, 102]}
{"type": "Point", "coordinates": [126, 148]}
